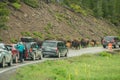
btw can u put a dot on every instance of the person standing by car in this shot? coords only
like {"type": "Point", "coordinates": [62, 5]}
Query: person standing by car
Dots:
{"type": "Point", "coordinates": [20, 47]}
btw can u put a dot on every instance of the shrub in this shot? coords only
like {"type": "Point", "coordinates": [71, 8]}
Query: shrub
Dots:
{"type": "Point", "coordinates": [105, 54]}
{"type": "Point", "coordinates": [37, 34]}
{"type": "Point", "coordinates": [48, 27]}
{"type": "Point", "coordinates": [32, 3]}
{"type": "Point", "coordinates": [1, 39]}
{"type": "Point", "coordinates": [78, 9]}
{"type": "Point", "coordinates": [3, 9]}
{"type": "Point", "coordinates": [25, 33]}
{"type": "Point", "coordinates": [13, 1]}
{"type": "Point", "coordinates": [12, 40]}
{"type": "Point", "coordinates": [16, 5]}
{"type": "Point", "coordinates": [4, 13]}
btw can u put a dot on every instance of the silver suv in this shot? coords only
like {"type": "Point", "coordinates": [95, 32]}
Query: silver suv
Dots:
{"type": "Point", "coordinates": [32, 51]}
{"type": "Point", "coordinates": [111, 39]}
{"type": "Point", "coordinates": [5, 56]}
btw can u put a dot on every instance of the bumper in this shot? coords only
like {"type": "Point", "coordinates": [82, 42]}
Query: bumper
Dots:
{"type": "Point", "coordinates": [50, 53]}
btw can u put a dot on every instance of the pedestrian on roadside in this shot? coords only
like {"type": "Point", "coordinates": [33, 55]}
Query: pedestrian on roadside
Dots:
{"type": "Point", "coordinates": [20, 47]}
{"type": "Point", "coordinates": [110, 46]}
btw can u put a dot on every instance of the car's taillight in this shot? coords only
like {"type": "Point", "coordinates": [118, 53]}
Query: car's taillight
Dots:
{"type": "Point", "coordinates": [26, 53]}
{"type": "Point", "coordinates": [14, 51]}
{"type": "Point", "coordinates": [103, 41]}
{"type": "Point", "coordinates": [30, 49]}
{"type": "Point", "coordinates": [113, 41]}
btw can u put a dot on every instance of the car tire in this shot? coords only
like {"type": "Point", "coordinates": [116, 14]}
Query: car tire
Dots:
{"type": "Point", "coordinates": [66, 54]}
{"type": "Point", "coordinates": [43, 55]}
{"type": "Point", "coordinates": [58, 55]}
{"type": "Point", "coordinates": [104, 46]}
{"type": "Point", "coordinates": [16, 59]}
{"type": "Point", "coordinates": [114, 46]}
{"type": "Point", "coordinates": [3, 63]}
{"type": "Point", "coordinates": [33, 57]}
{"type": "Point", "coordinates": [40, 58]}
{"type": "Point", "coordinates": [10, 63]}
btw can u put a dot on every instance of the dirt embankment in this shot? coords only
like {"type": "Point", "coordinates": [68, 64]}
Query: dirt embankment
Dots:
{"type": "Point", "coordinates": [53, 20]}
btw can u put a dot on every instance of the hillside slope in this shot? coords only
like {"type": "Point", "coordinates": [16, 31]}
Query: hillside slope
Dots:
{"type": "Point", "coordinates": [54, 21]}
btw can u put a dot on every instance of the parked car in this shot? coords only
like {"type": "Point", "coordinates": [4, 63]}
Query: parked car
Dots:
{"type": "Point", "coordinates": [5, 56]}
{"type": "Point", "coordinates": [32, 51]}
{"type": "Point", "coordinates": [111, 39]}
{"type": "Point", "coordinates": [15, 52]}
{"type": "Point", "coordinates": [54, 48]}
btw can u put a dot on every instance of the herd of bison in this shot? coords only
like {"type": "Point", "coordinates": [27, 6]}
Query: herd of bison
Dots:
{"type": "Point", "coordinates": [75, 44]}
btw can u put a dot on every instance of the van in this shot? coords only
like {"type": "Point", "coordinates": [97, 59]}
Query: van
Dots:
{"type": "Point", "coordinates": [54, 48]}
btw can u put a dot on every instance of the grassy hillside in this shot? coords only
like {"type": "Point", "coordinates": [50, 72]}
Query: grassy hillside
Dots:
{"type": "Point", "coordinates": [52, 21]}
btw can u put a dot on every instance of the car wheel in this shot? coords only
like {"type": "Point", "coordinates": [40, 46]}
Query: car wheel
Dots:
{"type": "Point", "coordinates": [114, 46]}
{"type": "Point", "coordinates": [3, 63]}
{"type": "Point", "coordinates": [41, 57]}
{"type": "Point", "coordinates": [16, 59]}
{"type": "Point", "coordinates": [33, 57]}
{"type": "Point", "coordinates": [10, 63]}
{"type": "Point", "coordinates": [58, 55]}
{"type": "Point", "coordinates": [104, 46]}
{"type": "Point", "coordinates": [66, 54]}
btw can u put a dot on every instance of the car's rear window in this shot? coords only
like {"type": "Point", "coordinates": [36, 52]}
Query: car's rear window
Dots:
{"type": "Point", "coordinates": [49, 44]}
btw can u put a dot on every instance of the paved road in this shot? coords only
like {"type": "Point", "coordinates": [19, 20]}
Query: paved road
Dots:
{"type": "Point", "coordinates": [8, 71]}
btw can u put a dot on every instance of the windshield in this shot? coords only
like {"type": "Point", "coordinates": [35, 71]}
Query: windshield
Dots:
{"type": "Point", "coordinates": [108, 38]}
{"type": "Point", "coordinates": [49, 44]}
{"type": "Point", "coordinates": [9, 47]}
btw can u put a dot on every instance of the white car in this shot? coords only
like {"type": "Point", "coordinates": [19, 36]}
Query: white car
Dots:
{"type": "Point", "coordinates": [5, 56]}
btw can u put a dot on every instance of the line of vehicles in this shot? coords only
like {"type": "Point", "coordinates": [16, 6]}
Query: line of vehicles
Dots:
{"type": "Point", "coordinates": [9, 54]}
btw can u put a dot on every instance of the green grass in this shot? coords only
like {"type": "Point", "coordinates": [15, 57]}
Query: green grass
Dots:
{"type": "Point", "coordinates": [85, 67]}
{"type": "Point", "coordinates": [16, 5]}
{"type": "Point", "coordinates": [32, 3]}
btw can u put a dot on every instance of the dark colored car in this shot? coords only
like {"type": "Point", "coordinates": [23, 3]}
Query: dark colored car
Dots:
{"type": "Point", "coordinates": [32, 51]}
{"type": "Point", "coordinates": [5, 56]}
{"type": "Point", "coordinates": [54, 48]}
{"type": "Point", "coordinates": [27, 39]}
{"type": "Point", "coordinates": [111, 39]}
{"type": "Point", "coordinates": [15, 52]}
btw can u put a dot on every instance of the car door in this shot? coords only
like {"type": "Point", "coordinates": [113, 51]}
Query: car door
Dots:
{"type": "Point", "coordinates": [64, 48]}
{"type": "Point", "coordinates": [35, 49]}
{"type": "Point", "coordinates": [59, 45]}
